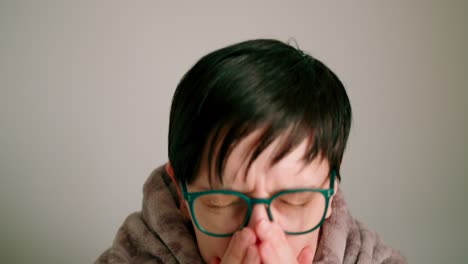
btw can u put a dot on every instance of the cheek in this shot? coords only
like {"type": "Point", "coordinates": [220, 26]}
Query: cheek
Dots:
{"type": "Point", "coordinates": [298, 243]}
{"type": "Point", "coordinates": [211, 247]}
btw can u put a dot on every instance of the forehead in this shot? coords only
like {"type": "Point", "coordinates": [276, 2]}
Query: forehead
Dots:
{"type": "Point", "coordinates": [288, 173]}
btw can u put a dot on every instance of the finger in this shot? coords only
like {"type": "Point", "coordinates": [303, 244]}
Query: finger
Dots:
{"type": "Point", "coordinates": [267, 254]}
{"type": "Point", "coordinates": [274, 247]}
{"type": "Point", "coordinates": [265, 230]}
{"type": "Point", "coordinates": [237, 248]}
{"type": "Point", "coordinates": [252, 256]}
{"type": "Point", "coordinates": [306, 256]}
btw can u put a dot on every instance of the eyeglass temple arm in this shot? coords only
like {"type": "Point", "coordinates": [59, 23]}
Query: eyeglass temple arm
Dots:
{"type": "Point", "coordinates": [332, 181]}
{"type": "Point", "coordinates": [183, 186]}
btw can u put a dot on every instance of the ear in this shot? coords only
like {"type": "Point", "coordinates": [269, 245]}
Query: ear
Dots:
{"type": "Point", "coordinates": [182, 202]}
{"type": "Point", "coordinates": [330, 209]}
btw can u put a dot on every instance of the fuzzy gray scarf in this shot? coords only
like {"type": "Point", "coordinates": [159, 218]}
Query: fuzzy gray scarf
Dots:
{"type": "Point", "coordinates": [159, 233]}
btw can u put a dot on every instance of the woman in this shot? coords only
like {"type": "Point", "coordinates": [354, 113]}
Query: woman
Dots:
{"type": "Point", "coordinates": [256, 138]}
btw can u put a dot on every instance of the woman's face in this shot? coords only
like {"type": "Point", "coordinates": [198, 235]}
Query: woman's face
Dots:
{"type": "Point", "coordinates": [262, 181]}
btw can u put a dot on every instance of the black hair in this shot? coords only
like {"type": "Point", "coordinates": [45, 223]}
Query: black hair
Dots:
{"type": "Point", "coordinates": [257, 84]}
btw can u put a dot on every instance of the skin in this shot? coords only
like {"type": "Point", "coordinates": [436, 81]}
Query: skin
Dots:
{"type": "Point", "coordinates": [261, 241]}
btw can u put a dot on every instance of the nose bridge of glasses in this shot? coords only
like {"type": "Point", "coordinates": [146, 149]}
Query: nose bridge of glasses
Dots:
{"type": "Point", "coordinates": [255, 201]}
{"type": "Point", "coordinates": [258, 213]}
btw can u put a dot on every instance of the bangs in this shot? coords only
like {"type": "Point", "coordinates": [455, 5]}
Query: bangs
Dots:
{"type": "Point", "coordinates": [226, 138]}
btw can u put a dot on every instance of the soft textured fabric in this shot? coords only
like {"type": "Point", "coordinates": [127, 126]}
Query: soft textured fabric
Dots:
{"type": "Point", "coordinates": [160, 234]}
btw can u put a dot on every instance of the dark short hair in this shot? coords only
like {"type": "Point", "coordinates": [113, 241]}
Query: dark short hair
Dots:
{"type": "Point", "coordinates": [257, 84]}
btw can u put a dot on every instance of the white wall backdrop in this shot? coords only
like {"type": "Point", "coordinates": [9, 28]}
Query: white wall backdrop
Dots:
{"type": "Point", "coordinates": [86, 88]}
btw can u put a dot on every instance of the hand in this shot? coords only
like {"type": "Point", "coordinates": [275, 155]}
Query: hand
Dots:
{"type": "Point", "coordinates": [241, 249]}
{"type": "Point", "coordinates": [274, 247]}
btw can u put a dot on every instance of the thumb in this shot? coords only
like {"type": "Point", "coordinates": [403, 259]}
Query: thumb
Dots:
{"type": "Point", "coordinates": [306, 256]}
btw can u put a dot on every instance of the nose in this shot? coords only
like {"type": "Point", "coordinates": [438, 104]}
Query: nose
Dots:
{"type": "Point", "coordinates": [259, 212]}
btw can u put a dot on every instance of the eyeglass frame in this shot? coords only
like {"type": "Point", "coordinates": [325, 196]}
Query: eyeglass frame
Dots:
{"type": "Point", "coordinates": [190, 197]}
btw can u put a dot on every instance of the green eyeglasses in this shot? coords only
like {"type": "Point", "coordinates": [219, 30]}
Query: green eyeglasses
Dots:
{"type": "Point", "coordinates": [220, 213]}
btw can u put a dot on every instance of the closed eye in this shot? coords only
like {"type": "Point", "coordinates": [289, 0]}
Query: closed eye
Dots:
{"type": "Point", "coordinates": [294, 203]}
{"type": "Point", "coordinates": [220, 201]}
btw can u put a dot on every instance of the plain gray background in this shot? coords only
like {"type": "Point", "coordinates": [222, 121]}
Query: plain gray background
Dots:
{"type": "Point", "coordinates": [86, 90]}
